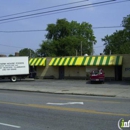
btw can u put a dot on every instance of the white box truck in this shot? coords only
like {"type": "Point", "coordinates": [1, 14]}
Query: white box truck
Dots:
{"type": "Point", "coordinates": [14, 68]}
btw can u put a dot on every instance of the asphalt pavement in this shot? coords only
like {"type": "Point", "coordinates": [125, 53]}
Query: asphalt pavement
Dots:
{"type": "Point", "coordinates": [76, 87]}
{"type": "Point", "coordinates": [42, 111]}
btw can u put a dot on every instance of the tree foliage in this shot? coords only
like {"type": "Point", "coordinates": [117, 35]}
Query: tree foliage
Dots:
{"type": "Point", "coordinates": [10, 55]}
{"type": "Point", "coordinates": [126, 22]}
{"type": "Point", "coordinates": [64, 38]}
{"type": "Point", "coordinates": [27, 52]}
{"type": "Point", "coordinates": [119, 41]}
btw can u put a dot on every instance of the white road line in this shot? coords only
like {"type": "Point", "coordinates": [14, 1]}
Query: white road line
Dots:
{"type": "Point", "coordinates": [14, 126]}
{"type": "Point", "coordinates": [68, 103]}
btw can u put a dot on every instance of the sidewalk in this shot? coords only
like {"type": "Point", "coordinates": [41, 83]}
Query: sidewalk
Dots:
{"type": "Point", "coordinates": [76, 87]}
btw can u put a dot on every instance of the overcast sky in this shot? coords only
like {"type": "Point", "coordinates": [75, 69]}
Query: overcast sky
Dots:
{"type": "Point", "coordinates": [98, 16]}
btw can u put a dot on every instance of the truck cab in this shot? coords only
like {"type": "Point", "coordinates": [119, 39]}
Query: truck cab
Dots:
{"type": "Point", "coordinates": [97, 76]}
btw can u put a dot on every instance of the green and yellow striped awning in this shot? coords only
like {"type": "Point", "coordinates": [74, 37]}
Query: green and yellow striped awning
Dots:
{"type": "Point", "coordinates": [37, 62]}
{"type": "Point", "coordinates": [86, 61]}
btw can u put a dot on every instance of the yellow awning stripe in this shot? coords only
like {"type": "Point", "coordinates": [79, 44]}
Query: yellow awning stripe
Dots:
{"type": "Point", "coordinates": [92, 61]}
{"type": "Point", "coordinates": [111, 61]}
{"type": "Point", "coordinates": [38, 61]}
{"type": "Point", "coordinates": [66, 62]}
{"type": "Point", "coordinates": [42, 62]}
{"type": "Point", "coordinates": [104, 60]}
{"type": "Point", "coordinates": [56, 61]}
{"type": "Point", "coordinates": [86, 61]}
{"type": "Point", "coordinates": [61, 62]}
{"type": "Point", "coordinates": [79, 61]}
{"type": "Point", "coordinates": [30, 61]}
{"type": "Point", "coordinates": [52, 60]}
{"type": "Point", "coordinates": [72, 61]}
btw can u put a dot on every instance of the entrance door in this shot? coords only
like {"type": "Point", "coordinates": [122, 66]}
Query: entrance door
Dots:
{"type": "Point", "coordinates": [61, 72]}
{"type": "Point", "coordinates": [118, 73]}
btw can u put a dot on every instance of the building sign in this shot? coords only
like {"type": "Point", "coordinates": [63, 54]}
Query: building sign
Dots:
{"type": "Point", "coordinates": [10, 66]}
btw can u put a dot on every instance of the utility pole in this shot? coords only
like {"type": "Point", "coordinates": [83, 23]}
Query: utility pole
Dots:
{"type": "Point", "coordinates": [76, 51]}
{"type": "Point", "coordinates": [81, 48]}
{"type": "Point", "coordinates": [30, 52]}
{"type": "Point", "coordinates": [110, 52]}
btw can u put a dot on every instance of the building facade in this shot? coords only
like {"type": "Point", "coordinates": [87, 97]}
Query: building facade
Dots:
{"type": "Point", "coordinates": [116, 67]}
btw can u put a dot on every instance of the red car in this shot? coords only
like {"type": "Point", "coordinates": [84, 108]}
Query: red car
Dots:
{"type": "Point", "coordinates": [97, 75]}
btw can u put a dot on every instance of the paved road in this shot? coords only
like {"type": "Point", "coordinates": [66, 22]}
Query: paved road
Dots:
{"type": "Point", "coordinates": [38, 111]}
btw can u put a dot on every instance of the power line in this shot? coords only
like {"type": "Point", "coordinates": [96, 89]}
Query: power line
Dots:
{"type": "Point", "coordinates": [103, 27]}
{"type": "Point", "coordinates": [22, 31]}
{"type": "Point", "coordinates": [74, 7]}
{"type": "Point", "coordinates": [40, 30]}
{"type": "Point", "coordinates": [64, 11]}
{"type": "Point", "coordinates": [43, 8]}
{"type": "Point", "coordinates": [10, 46]}
{"type": "Point", "coordinates": [13, 46]}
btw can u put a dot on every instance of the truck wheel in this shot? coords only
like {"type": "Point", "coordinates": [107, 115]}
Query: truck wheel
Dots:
{"type": "Point", "coordinates": [13, 79]}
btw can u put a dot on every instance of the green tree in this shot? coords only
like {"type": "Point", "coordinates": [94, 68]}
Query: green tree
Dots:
{"type": "Point", "coordinates": [10, 55]}
{"type": "Point", "coordinates": [46, 49]}
{"type": "Point", "coordinates": [119, 41]}
{"type": "Point", "coordinates": [126, 22]}
{"type": "Point", "coordinates": [27, 52]}
{"type": "Point", "coordinates": [64, 38]}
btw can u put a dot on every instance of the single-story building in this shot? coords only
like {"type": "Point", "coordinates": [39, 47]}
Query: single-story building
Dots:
{"type": "Point", "coordinates": [116, 67]}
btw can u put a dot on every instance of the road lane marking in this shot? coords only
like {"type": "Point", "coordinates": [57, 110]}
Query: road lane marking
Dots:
{"type": "Point", "coordinates": [9, 125]}
{"type": "Point", "coordinates": [67, 109]}
{"type": "Point", "coordinates": [68, 103]}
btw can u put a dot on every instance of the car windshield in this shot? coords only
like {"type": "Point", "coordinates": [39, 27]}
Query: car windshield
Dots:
{"type": "Point", "coordinates": [95, 72]}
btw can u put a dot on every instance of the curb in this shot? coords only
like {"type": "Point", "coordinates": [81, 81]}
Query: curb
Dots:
{"type": "Point", "coordinates": [71, 93]}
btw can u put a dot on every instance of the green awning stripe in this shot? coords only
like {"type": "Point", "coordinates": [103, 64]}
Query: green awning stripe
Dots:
{"type": "Point", "coordinates": [69, 60]}
{"type": "Point", "coordinates": [31, 61]}
{"type": "Point", "coordinates": [108, 59]}
{"type": "Point", "coordinates": [64, 61]}
{"type": "Point", "coordinates": [101, 60]}
{"type": "Point", "coordinates": [117, 60]}
{"type": "Point", "coordinates": [36, 61]}
{"type": "Point", "coordinates": [90, 58]}
{"type": "Point", "coordinates": [95, 61]}
{"type": "Point", "coordinates": [40, 61]}
{"type": "Point", "coordinates": [59, 61]}
{"type": "Point", "coordinates": [74, 61]}
{"type": "Point", "coordinates": [54, 61]}
{"type": "Point", "coordinates": [83, 62]}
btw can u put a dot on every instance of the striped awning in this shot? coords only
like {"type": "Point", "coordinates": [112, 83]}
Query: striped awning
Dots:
{"type": "Point", "coordinates": [37, 62]}
{"type": "Point", "coordinates": [86, 61]}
